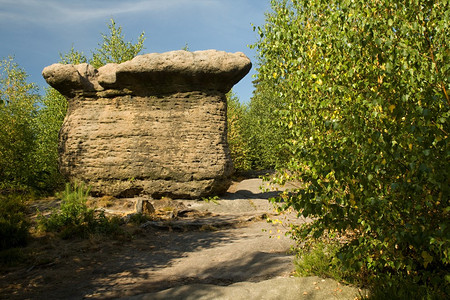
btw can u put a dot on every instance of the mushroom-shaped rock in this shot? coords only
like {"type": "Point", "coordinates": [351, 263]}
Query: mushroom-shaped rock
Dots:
{"type": "Point", "coordinates": [170, 72]}
{"type": "Point", "coordinates": [153, 125]}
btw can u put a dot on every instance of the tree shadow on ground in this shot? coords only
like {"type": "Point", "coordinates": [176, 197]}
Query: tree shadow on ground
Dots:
{"type": "Point", "coordinates": [110, 269]}
{"type": "Point", "coordinates": [244, 268]}
{"type": "Point", "coordinates": [89, 266]}
{"type": "Point", "coordinates": [246, 194]}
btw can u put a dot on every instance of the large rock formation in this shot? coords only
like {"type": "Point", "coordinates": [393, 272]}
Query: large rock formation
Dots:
{"type": "Point", "coordinates": [153, 125]}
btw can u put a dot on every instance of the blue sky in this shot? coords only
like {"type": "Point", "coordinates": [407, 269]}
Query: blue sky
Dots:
{"type": "Point", "coordinates": [35, 32]}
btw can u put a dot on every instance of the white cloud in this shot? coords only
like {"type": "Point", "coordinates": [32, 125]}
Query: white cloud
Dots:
{"type": "Point", "coordinates": [48, 12]}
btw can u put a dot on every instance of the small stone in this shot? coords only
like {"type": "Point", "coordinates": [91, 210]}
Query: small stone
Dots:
{"type": "Point", "coordinates": [147, 207]}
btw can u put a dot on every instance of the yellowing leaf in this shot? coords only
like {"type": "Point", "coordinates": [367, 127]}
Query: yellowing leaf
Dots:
{"type": "Point", "coordinates": [352, 199]}
{"type": "Point", "coordinates": [391, 107]}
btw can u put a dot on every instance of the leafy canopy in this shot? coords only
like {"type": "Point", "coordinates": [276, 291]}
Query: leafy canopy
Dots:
{"type": "Point", "coordinates": [18, 111]}
{"type": "Point", "coordinates": [365, 105]}
{"type": "Point", "coordinates": [236, 133]}
{"type": "Point", "coordinates": [114, 48]}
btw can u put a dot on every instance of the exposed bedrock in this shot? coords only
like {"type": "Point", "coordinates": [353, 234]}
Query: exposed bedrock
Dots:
{"type": "Point", "coordinates": [153, 125]}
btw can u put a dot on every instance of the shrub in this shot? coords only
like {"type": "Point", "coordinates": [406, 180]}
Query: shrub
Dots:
{"type": "Point", "coordinates": [254, 135]}
{"type": "Point", "coordinates": [75, 218]}
{"type": "Point", "coordinates": [236, 133]}
{"type": "Point", "coordinates": [18, 110]}
{"type": "Point", "coordinates": [264, 134]}
{"type": "Point", "coordinates": [14, 224]}
{"type": "Point", "coordinates": [139, 218]}
{"type": "Point", "coordinates": [364, 86]}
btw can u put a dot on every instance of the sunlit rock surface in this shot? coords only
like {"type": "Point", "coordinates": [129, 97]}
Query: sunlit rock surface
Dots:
{"type": "Point", "coordinates": [154, 125]}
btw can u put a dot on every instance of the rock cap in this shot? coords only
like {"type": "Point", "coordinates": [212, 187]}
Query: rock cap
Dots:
{"type": "Point", "coordinates": [153, 73]}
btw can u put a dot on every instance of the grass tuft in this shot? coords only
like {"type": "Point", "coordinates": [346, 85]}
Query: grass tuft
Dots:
{"type": "Point", "coordinates": [75, 219]}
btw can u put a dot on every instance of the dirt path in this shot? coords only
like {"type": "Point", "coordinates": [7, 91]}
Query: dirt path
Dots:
{"type": "Point", "coordinates": [234, 253]}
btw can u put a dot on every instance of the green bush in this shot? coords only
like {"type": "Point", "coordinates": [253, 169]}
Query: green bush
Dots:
{"type": "Point", "coordinates": [402, 287]}
{"type": "Point", "coordinates": [364, 87]}
{"type": "Point", "coordinates": [14, 224]}
{"type": "Point", "coordinates": [254, 136]}
{"type": "Point", "coordinates": [236, 133]}
{"type": "Point", "coordinates": [18, 111]}
{"type": "Point", "coordinates": [114, 49]}
{"type": "Point", "coordinates": [320, 260]}
{"type": "Point", "coordinates": [139, 218]}
{"type": "Point", "coordinates": [75, 219]}
{"type": "Point", "coordinates": [264, 134]}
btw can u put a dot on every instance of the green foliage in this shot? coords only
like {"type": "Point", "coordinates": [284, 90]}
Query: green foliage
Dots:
{"type": "Point", "coordinates": [364, 91]}
{"type": "Point", "coordinates": [75, 219]}
{"type": "Point", "coordinates": [186, 47]}
{"type": "Point", "coordinates": [320, 260]}
{"type": "Point", "coordinates": [18, 111]}
{"type": "Point", "coordinates": [400, 288]}
{"type": "Point", "coordinates": [253, 137]}
{"type": "Point", "coordinates": [139, 218]}
{"type": "Point", "coordinates": [263, 133]}
{"type": "Point", "coordinates": [14, 224]}
{"type": "Point", "coordinates": [72, 57]}
{"type": "Point", "coordinates": [236, 133]}
{"type": "Point", "coordinates": [50, 119]}
{"type": "Point", "coordinates": [114, 49]}
{"type": "Point", "coordinates": [213, 199]}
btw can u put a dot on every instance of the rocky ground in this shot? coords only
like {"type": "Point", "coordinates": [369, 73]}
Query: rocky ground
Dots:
{"type": "Point", "coordinates": [218, 249]}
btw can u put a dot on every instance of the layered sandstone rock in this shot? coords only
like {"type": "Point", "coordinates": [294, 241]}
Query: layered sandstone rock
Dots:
{"type": "Point", "coordinates": [153, 125]}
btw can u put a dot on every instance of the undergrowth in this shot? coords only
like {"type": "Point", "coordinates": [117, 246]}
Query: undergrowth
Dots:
{"type": "Point", "coordinates": [75, 219]}
{"type": "Point", "coordinates": [14, 224]}
{"type": "Point", "coordinates": [321, 260]}
{"type": "Point", "coordinates": [211, 199]}
{"type": "Point", "coordinates": [320, 257]}
{"type": "Point", "coordinates": [139, 218]}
